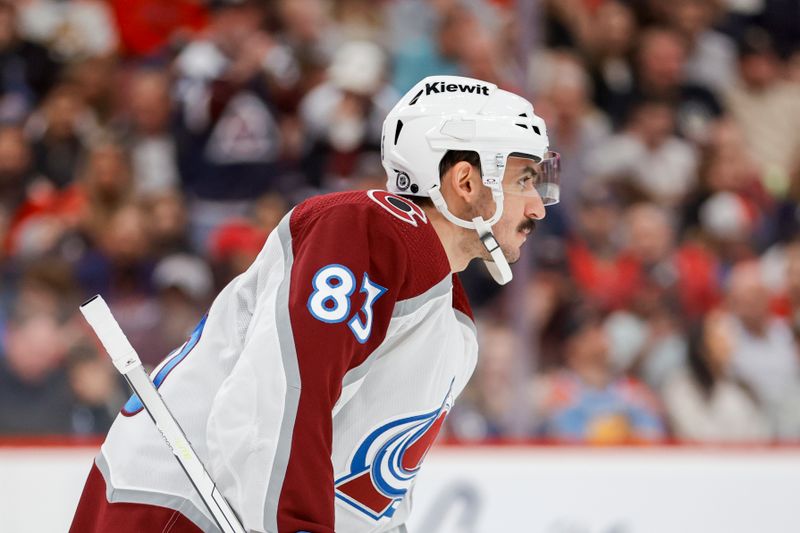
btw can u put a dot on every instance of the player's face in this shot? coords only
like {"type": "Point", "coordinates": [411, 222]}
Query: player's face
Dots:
{"type": "Point", "coordinates": [522, 206]}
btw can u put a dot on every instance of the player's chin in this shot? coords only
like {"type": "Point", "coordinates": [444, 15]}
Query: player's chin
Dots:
{"type": "Point", "coordinates": [511, 254]}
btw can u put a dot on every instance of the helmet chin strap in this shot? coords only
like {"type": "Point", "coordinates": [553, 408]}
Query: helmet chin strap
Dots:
{"type": "Point", "coordinates": [498, 267]}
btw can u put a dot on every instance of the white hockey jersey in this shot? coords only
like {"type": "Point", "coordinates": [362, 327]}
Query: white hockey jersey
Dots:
{"type": "Point", "coordinates": [317, 381]}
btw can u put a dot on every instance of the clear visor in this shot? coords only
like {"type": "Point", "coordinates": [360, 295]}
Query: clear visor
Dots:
{"type": "Point", "coordinates": [528, 175]}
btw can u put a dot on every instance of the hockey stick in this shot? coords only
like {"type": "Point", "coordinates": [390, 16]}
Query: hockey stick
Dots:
{"type": "Point", "coordinates": [125, 358]}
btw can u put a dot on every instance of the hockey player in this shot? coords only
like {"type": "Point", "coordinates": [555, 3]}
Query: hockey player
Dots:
{"type": "Point", "coordinates": [320, 377]}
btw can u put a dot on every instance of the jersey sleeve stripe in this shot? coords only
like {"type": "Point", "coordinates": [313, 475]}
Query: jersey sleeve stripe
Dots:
{"type": "Point", "coordinates": [292, 400]}
{"type": "Point", "coordinates": [412, 305]}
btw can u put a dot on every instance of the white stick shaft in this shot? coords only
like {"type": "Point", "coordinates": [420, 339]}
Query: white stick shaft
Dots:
{"type": "Point", "coordinates": [127, 361]}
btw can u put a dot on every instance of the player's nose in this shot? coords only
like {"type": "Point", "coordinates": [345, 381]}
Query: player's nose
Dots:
{"type": "Point", "coordinates": [534, 208]}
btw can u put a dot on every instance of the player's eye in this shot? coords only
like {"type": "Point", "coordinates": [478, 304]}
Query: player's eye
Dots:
{"type": "Point", "coordinates": [525, 182]}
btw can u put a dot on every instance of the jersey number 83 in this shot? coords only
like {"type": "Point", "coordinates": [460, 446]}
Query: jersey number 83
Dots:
{"type": "Point", "coordinates": [330, 301]}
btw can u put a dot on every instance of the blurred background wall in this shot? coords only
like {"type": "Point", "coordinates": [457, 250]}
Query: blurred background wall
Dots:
{"type": "Point", "coordinates": [487, 489]}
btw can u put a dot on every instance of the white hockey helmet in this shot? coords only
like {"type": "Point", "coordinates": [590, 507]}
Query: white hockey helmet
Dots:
{"type": "Point", "coordinates": [442, 113]}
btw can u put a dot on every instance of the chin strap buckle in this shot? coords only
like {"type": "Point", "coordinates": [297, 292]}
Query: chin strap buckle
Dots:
{"type": "Point", "coordinates": [489, 242]}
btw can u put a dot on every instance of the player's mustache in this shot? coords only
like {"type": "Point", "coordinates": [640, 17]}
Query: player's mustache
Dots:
{"type": "Point", "coordinates": [529, 225]}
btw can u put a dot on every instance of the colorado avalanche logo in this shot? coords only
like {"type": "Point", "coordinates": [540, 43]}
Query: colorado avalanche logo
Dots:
{"type": "Point", "coordinates": [384, 465]}
{"type": "Point", "coordinates": [399, 207]}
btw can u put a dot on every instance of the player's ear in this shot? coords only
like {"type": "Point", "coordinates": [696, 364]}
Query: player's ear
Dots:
{"type": "Point", "coordinates": [463, 178]}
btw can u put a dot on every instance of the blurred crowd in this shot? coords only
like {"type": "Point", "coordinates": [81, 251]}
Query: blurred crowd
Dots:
{"type": "Point", "coordinates": [147, 148]}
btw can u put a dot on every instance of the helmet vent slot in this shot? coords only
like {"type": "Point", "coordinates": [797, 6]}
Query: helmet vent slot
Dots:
{"type": "Point", "coordinates": [398, 130]}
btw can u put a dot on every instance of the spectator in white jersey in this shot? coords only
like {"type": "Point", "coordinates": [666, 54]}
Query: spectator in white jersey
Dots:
{"type": "Point", "coordinates": [343, 116]}
{"type": "Point", "coordinates": [765, 353]}
{"type": "Point", "coordinates": [320, 377]}
{"type": "Point", "coordinates": [706, 401]}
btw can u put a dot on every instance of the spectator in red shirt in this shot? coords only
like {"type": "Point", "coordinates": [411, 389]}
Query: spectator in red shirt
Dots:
{"type": "Point", "coordinates": [146, 26]}
{"type": "Point", "coordinates": [686, 272]}
{"type": "Point", "coordinates": [604, 274]}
